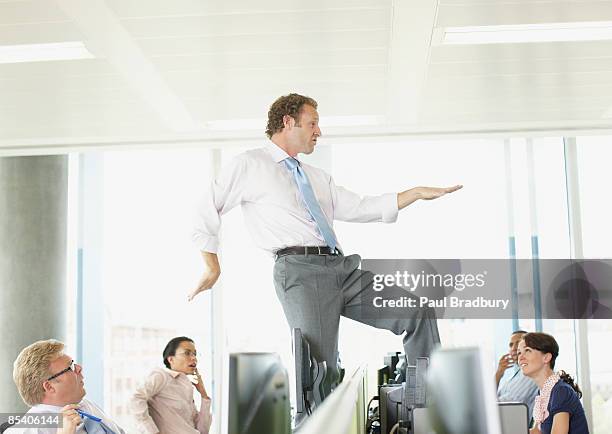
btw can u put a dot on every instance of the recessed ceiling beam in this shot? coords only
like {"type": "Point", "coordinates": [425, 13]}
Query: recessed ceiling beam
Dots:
{"type": "Point", "coordinates": [107, 38]}
{"type": "Point", "coordinates": [408, 58]}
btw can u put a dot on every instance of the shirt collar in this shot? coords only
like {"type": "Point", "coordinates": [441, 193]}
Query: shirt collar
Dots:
{"type": "Point", "coordinates": [276, 152]}
{"type": "Point", "coordinates": [516, 369]}
{"type": "Point", "coordinates": [45, 408]}
{"type": "Point", "coordinates": [174, 374]}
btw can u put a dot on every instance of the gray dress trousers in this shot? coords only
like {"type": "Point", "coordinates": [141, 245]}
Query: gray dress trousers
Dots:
{"type": "Point", "coordinates": [315, 290]}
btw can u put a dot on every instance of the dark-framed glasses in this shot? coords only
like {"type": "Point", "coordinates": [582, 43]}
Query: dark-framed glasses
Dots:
{"type": "Point", "coordinates": [188, 353]}
{"type": "Point", "coordinates": [69, 368]}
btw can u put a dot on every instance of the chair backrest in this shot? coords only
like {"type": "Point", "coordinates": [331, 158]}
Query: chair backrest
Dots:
{"type": "Point", "coordinates": [5, 426]}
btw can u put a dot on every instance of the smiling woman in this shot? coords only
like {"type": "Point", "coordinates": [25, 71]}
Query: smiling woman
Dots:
{"type": "Point", "coordinates": [557, 407]}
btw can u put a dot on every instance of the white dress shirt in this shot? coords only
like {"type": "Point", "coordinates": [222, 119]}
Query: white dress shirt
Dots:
{"type": "Point", "coordinates": [273, 208]}
{"type": "Point", "coordinates": [85, 405]}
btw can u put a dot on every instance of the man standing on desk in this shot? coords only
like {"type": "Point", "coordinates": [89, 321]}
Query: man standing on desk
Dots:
{"type": "Point", "coordinates": [289, 208]}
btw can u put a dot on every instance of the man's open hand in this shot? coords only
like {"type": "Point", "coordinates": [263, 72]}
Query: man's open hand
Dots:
{"type": "Point", "coordinates": [407, 197]}
{"type": "Point", "coordinates": [429, 193]}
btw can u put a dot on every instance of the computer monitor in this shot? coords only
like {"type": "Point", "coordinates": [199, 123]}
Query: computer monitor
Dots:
{"type": "Point", "coordinates": [312, 382]}
{"type": "Point", "coordinates": [513, 415]}
{"type": "Point", "coordinates": [390, 405]}
{"type": "Point", "coordinates": [461, 393]}
{"type": "Point", "coordinates": [303, 380]}
{"type": "Point", "coordinates": [258, 398]}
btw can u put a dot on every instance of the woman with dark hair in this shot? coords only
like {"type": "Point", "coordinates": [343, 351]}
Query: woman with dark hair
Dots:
{"type": "Point", "coordinates": [557, 408]}
{"type": "Point", "coordinates": [164, 403]}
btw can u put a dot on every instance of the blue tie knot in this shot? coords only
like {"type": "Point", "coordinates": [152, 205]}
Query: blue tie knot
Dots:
{"type": "Point", "coordinates": [291, 163]}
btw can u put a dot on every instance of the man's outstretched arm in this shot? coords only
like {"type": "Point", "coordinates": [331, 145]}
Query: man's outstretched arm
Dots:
{"type": "Point", "coordinates": [407, 197]}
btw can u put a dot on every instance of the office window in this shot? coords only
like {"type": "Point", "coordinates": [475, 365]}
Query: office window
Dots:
{"type": "Point", "coordinates": [148, 265]}
{"type": "Point", "coordinates": [470, 223]}
{"type": "Point", "coordinates": [594, 156]}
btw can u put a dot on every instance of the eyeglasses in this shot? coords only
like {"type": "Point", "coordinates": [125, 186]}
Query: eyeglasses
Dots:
{"type": "Point", "coordinates": [69, 368]}
{"type": "Point", "coordinates": [188, 353]}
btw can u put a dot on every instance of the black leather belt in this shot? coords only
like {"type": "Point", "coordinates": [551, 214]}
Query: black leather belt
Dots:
{"type": "Point", "coordinates": [307, 250]}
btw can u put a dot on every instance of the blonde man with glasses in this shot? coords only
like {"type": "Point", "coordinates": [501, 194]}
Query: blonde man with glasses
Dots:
{"type": "Point", "coordinates": [164, 402]}
{"type": "Point", "coordinates": [50, 382]}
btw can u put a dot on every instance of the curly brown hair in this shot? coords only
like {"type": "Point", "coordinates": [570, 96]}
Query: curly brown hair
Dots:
{"type": "Point", "coordinates": [286, 105]}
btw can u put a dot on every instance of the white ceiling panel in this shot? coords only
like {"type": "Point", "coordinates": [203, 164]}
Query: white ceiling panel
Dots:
{"type": "Point", "coordinates": [159, 8]}
{"type": "Point", "coordinates": [79, 85]}
{"type": "Point", "coordinates": [571, 51]}
{"type": "Point", "coordinates": [536, 67]}
{"type": "Point", "coordinates": [532, 12]}
{"type": "Point", "coordinates": [183, 80]}
{"type": "Point", "coordinates": [257, 23]}
{"type": "Point", "coordinates": [64, 99]}
{"type": "Point", "coordinates": [14, 13]}
{"type": "Point", "coordinates": [261, 59]}
{"type": "Point", "coordinates": [476, 91]}
{"type": "Point", "coordinates": [38, 33]}
{"type": "Point", "coordinates": [266, 42]}
{"type": "Point", "coordinates": [52, 70]}
{"type": "Point", "coordinates": [206, 60]}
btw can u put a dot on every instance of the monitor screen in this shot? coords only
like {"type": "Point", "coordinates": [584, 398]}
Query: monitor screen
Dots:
{"type": "Point", "coordinates": [461, 393]}
{"type": "Point", "coordinates": [258, 398]}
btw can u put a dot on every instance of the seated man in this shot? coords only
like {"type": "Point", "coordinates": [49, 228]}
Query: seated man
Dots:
{"type": "Point", "coordinates": [50, 382]}
{"type": "Point", "coordinates": [164, 403]}
{"type": "Point", "coordinates": [518, 388]}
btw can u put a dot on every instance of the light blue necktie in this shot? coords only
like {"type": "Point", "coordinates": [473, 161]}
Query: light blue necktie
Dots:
{"type": "Point", "coordinates": [94, 427]}
{"type": "Point", "coordinates": [311, 202]}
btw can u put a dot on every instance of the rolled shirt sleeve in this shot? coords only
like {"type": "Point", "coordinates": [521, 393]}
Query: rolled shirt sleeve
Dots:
{"type": "Point", "coordinates": [224, 193]}
{"type": "Point", "coordinates": [351, 207]}
{"type": "Point", "coordinates": [203, 418]}
{"type": "Point", "coordinates": [138, 404]}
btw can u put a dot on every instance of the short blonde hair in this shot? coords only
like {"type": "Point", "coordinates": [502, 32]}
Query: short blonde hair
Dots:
{"type": "Point", "coordinates": [31, 369]}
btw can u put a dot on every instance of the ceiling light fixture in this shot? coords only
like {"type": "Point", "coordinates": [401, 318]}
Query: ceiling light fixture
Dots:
{"type": "Point", "coordinates": [44, 52]}
{"type": "Point", "coordinates": [525, 33]}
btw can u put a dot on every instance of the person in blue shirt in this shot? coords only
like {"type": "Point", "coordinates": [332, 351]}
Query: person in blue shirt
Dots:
{"type": "Point", "coordinates": [557, 408]}
{"type": "Point", "coordinates": [517, 387]}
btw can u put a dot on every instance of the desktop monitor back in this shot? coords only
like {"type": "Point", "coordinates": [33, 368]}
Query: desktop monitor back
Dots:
{"type": "Point", "coordinates": [258, 398]}
{"type": "Point", "coordinates": [461, 393]}
{"type": "Point", "coordinates": [514, 419]}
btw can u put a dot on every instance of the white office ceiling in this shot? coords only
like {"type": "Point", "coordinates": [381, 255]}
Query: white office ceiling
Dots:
{"type": "Point", "coordinates": [169, 70]}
